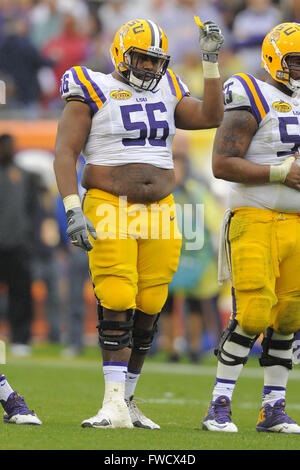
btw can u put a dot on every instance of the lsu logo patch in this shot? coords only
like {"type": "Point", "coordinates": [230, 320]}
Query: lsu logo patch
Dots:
{"type": "Point", "coordinates": [282, 107]}
{"type": "Point", "coordinates": [120, 94]}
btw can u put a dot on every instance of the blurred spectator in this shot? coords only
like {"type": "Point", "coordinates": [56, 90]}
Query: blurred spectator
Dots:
{"type": "Point", "coordinates": [177, 19]}
{"type": "Point", "coordinates": [249, 29]}
{"type": "Point", "coordinates": [18, 193]}
{"type": "Point", "coordinates": [67, 49]}
{"type": "Point", "coordinates": [21, 61]}
{"type": "Point", "coordinates": [80, 32]}
{"type": "Point", "coordinates": [291, 10]}
{"type": "Point", "coordinates": [77, 274]}
{"type": "Point", "coordinates": [196, 276]}
{"type": "Point", "coordinates": [46, 235]}
{"type": "Point", "coordinates": [45, 22]}
{"type": "Point", "coordinates": [45, 266]}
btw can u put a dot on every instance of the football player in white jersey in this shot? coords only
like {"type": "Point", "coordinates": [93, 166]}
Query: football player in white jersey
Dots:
{"type": "Point", "coordinates": [256, 149]}
{"type": "Point", "coordinates": [124, 124]}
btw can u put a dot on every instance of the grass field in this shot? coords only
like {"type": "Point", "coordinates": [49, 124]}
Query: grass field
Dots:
{"type": "Point", "coordinates": [64, 392]}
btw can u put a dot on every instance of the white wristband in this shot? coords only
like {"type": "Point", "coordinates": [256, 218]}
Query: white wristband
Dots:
{"type": "Point", "coordinates": [71, 201]}
{"type": "Point", "coordinates": [278, 173]}
{"type": "Point", "coordinates": [210, 69]}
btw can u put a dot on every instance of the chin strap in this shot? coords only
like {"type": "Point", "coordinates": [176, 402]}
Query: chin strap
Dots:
{"type": "Point", "coordinates": [294, 85]}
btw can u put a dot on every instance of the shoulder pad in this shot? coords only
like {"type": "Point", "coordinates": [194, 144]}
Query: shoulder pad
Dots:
{"type": "Point", "coordinates": [78, 84]}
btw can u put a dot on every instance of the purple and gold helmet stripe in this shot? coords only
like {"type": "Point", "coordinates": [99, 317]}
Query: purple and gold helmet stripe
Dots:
{"type": "Point", "coordinates": [259, 105]}
{"type": "Point", "coordinates": [92, 93]}
{"type": "Point", "coordinates": [156, 34]}
{"type": "Point", "coordinates": [160, 37]}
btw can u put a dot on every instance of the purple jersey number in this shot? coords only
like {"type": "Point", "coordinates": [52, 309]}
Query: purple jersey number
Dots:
{"type": "Point", "coordinates": [286, 137]}
{"type": "Point", "coordinates": [227, 93]}
{"type": "Point", "coordinates": [147, 131]}
{"type": "Point", "coordinates": [64, 87]}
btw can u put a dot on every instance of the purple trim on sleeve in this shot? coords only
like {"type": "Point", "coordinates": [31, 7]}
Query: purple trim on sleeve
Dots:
{"type": "Point", "coordinates": [171, 83]}
{"type": "Point", "coordinates": [95, 86]}
{"type": "Point", "coordinates": [87, 96]}
{"type": "Point", "coordinates": [250, 96]}
{"type": "Point", "coordinates": [75, 97]}
{"type": "Point", "coordinates": [183, 91]}
{"type": "Point", "coordinates": [261, 96]}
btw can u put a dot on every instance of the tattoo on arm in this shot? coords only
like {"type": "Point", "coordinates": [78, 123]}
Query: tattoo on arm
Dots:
{"type": "Point", "coordinates": [234, 135]}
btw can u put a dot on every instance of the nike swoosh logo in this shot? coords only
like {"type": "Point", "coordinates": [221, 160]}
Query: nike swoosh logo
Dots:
{"type": "Point", "coordinates": [220, 426]}
{"type": "Point", "coordinates": [155, 91]}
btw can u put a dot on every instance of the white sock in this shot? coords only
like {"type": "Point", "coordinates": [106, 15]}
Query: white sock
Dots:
{"type": "Point", "coordinates": [131, 382]}
{"type": "Point", "coordinates": [5, 388]}
{"type": "Point", "coordinates": [114, 377]}
{"type": "Point", "coordinates": [223, 387]}
{"type": "Point", "coordinates": [115, 371]}
{"type": "Point", "coordinates": [271, 394]}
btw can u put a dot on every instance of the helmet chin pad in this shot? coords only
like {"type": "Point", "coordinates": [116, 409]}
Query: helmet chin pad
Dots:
{"type": "Point", "coordinates": [293, 85]}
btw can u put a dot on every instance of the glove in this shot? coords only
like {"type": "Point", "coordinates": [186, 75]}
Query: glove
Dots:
{"type": "Point", "coordinates": [78, 227]}
{"type": "Point", "coordinates": [210, 40]}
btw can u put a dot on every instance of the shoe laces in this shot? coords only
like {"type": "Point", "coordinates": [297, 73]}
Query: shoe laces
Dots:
{"type": "Point", "coordinates": [222, 411]}
{"type": "Point", "coordinates": [134, 409]}
{"type": "Point", "coordinates": [16, 405]}
{"type": "Point", "coordinates": [278, 410]}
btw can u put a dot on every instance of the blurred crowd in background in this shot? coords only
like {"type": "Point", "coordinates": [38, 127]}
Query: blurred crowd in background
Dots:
{"type": "Point", "coordinates": [39, 40]}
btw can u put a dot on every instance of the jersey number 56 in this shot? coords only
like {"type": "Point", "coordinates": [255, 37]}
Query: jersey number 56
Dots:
{"type": "Point", "coordinates": [148, 130]}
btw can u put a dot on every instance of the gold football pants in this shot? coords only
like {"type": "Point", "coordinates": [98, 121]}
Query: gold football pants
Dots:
{"type": "Point", "coordinates": [264, 249]}
{"type": "Point", "coordinates": [136, 253]}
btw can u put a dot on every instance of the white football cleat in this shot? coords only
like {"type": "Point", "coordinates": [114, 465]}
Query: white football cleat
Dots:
{"type": "Point", "coordinates": [218, 417]}
{"type": "Point", "coordinates": [139, 420]}
{"type": "Point", "coordinates": [113, 414]}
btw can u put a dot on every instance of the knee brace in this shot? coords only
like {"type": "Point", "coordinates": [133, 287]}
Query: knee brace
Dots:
{"type": "Point", "coordinates": [142, 339]}
{"type": "Point", "coordinates": [113, 342]}
{"type": "Point", "coordinates": [229, 334]}
{"type": "Point", "coordinates": [268, 343]}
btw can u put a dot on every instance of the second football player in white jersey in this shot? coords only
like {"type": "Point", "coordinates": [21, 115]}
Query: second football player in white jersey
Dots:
{"type": "Point", "coordinates": [256, 149]}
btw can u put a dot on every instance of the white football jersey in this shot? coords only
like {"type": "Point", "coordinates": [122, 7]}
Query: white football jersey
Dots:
{"type": "Point", "coordinates": [127, 126]}
{"type": "Point", "coordinates": [277, 137]}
